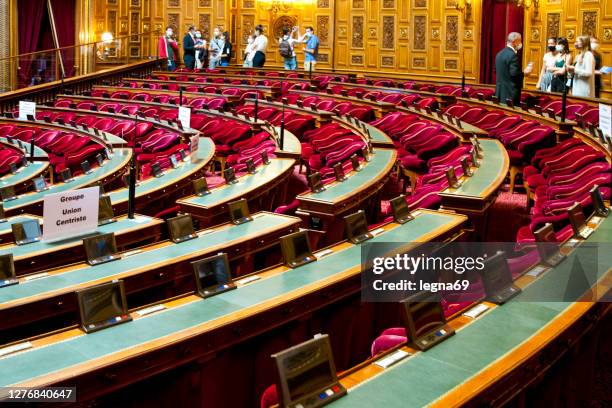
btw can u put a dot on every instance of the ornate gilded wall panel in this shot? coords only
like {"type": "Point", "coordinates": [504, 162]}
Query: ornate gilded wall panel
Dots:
{"type": "Point", "coordinates": [420, 27]}
{"type": "Point", "coordinates": [452, 33]}
{"type": "Point", "coordinates": [388, 37]}
{"type": "Point", "coordinates": [357, 28]}
{"type": "Point", "coordinates": [553, 28]}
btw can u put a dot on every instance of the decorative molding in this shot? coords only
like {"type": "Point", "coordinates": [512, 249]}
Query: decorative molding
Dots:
{"type": "Point", "coordinates": [174, 3]}
{"type": "Point", "coordinates": [589, 23]}
{"type": "Point", "coordinates": [204, 24]}
{"type": "Point", "coordinates": [468, 34]}
{"type": "Point", "coordinates": [403, 33]}
{"type": "Point", "coordinates": [419, 62]}
{"type": "Point", "coordinates": [388, 38]}
{"type": "Point", "coordinates": [607, 34]}
{"type": "Point", "coordinates": [282, 22]}
{"type": "Point", "coordinates": [357, 40]}
{"type": "Point", "coordinates": [245, 4]}
{"type": "Point", "coordinates": [420, 25]}
{"type": "Point", "coordinates": [451, 64]}
{"type": "Point", "coordinates": [372, 33]}
{"type": "Point", "coordinates": [358, 4]}
{"type": "Point", "coordinates": [356, 59]}
{"type": "Point", "coordinates": [435, 33]}
{"type": "Point", "coordinates": [324, 58]}
{"type": "Point", "coordinates": [174, 20]}
{"type": "Point", "coordinates": [535, 34]}
{"type": "Point", "coordinates": [323, 3]}
{"type": "Point", "coordinates": [553, 25]}
{"type": "Point", "coordinates": [322, 30]}
{"type": "Point", "coordinates": [420, 3]}
{"type": "Point", "coordinates": [388, 4]}
{"type": "Point", "coordinates": [248, 25]}
{"type": "Point", "coordinates": [387, 61]}
{"type": "Point", "coordinates": [452, 33]}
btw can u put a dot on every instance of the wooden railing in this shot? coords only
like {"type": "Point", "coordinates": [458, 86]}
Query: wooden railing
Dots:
{"type": "Point", "coordinates": [76, 85]}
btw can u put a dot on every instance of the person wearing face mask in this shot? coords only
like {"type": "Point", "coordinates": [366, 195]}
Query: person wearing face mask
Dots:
{"type": "Point", "coordinates": [548, 66]}
{"type": "Point", "coordinates": [200, 50]}
{"type": "Point", "coordinates": [509, 76]}
{"type": "Point", "coordinates": [261, 46]}
{"type": "Point", "coordinates": [597, 57]}
{"type": "Point", "coordinates": [564, 59]}
{"type": "Point", "coordinates": [215, 48]}
{"type": "Point", "coordinates": [226, 52]}
{"type": "Point", "coordinates": [249, 52]}
{"type": "Point", "coordinates": [311, 48]}
{"type": "Point", "coordinates": [168, 48]}
{"type": "Point", "coordinates": [583, 83]}
{"type": "Point", "coordinates": [189, 48]}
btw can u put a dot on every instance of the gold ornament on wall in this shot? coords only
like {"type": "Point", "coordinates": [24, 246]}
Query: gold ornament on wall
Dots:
{"type": "Point", "coordinates": [535, 34]}
{"type": "Point", "coordinates": [607, 34]}
{"type": "Point", "coordinates": [468, 35]}
{"type": "Point", "coordinates": [570, 34]}
{"type": "Point", "coordinates": [435, 33]}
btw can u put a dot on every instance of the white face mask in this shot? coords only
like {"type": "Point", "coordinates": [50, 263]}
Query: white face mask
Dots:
{"type": "Point", "coordinates": [198, 35]}
{"type": "Point", "coordinates": [169, 33]}
{"type": "Point", "coordinates": [519, 47]}
{"type": "Point", "coordinates": [559, 48]}
{"type": "Point", "coordinates": [250, 40]}
{"type": "Point", "coordinates": [594, 46]}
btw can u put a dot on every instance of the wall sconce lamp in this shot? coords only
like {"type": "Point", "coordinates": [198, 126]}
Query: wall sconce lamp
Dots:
{"type": "Point", "coordinates": [465, 6]}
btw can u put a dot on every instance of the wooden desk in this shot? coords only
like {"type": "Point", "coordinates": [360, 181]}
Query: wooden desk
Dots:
{"type": "Point", "coordinates": [157, 193]}
{"type": "Point", "coordinates": [32, 202]}
{"type": "Point", "coordinates": [339, 199]}
{"type": "Point", "coordinates": [477, 193]}
{"type": "Point", "coordinates": [158, 272]}
{"type": "Point", "coordinates": [21, 181]}
{"type": "Point", "coordinates": [41, 255]}
{"type": "Point", "coordinates": [201, 334]}
{"type": "Point", "coordinates": [380, 108]}
{"type": "Point", "coordinates": [262, 190]}
{"type": "Point", "coordinates": [493, 359]}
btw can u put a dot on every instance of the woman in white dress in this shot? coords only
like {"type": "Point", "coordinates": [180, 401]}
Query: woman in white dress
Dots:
{"type": "Point", "coordinates": [583, 69]}
{"type": "Point", "coordinates": [548, 66]}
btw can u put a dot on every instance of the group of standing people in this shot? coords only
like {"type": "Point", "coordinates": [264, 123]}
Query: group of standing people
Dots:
{"type": "Point", "coordinates": [582, 75]}
{"type": "Point", "coordinates": [560, 72]}
{"type": "Point", "coordinates": [197, 51]}
{"type": "Point", "coordinates": [257, 45]}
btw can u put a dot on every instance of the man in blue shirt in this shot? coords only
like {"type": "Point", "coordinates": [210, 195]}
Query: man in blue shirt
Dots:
{"type": "Point", "coordinates": [311, 48]}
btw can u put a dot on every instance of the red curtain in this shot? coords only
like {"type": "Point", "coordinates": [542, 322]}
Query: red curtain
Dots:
{"type": "Point", "coordinates": [29, 19]}
{"type": "Point", "coordinates": [65, 22]}
{"type": "Point", "coordinates": [499, 18]}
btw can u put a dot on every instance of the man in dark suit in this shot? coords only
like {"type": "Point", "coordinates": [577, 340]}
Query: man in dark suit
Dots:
{"type": "Point", "coordinates": [509, 75]}
{"type": "Point", "coordinates": [189, 48]}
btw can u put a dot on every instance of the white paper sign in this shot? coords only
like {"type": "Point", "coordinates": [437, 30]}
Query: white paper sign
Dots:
{"type": "Point", "coordinates": [26, 108]}
{"type": "Point", "coordinates": [70, 213]}
{"type": "Point", "coordinates": [605, 119]}
{"type": "Point", "coordinates": [184, 115]}
{"type": "Point", "coordinates": [194, 143]}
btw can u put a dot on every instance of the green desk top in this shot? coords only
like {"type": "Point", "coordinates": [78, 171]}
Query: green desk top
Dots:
{"type": "Point", "coordinates": [291, 143]}
{"type": "Point", "coordinates": [146, 260]}
{"type": "Point", "coordinates": [5, 227]}
{"type": "Point", "coordinates": [33, 363]}
{"type": "Point", "coordinates": [205, 152]}
{"type": "Point", "coordinates": [377, 168]}
{"type": "Point", "coordinates": [118, 159]}
{"type": "Point", "coordinates": [488, 177]}
{"type": "Point", "coordinates": [247, 183]}
{"type": "Point", "coordinates": [425, 377]}
{"type": "Point", "coordinates": [378, 136]}
{"type": "Point", "coordinates": [121, 226]}
{"type": "Point", "coordinates": [25, 173]}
